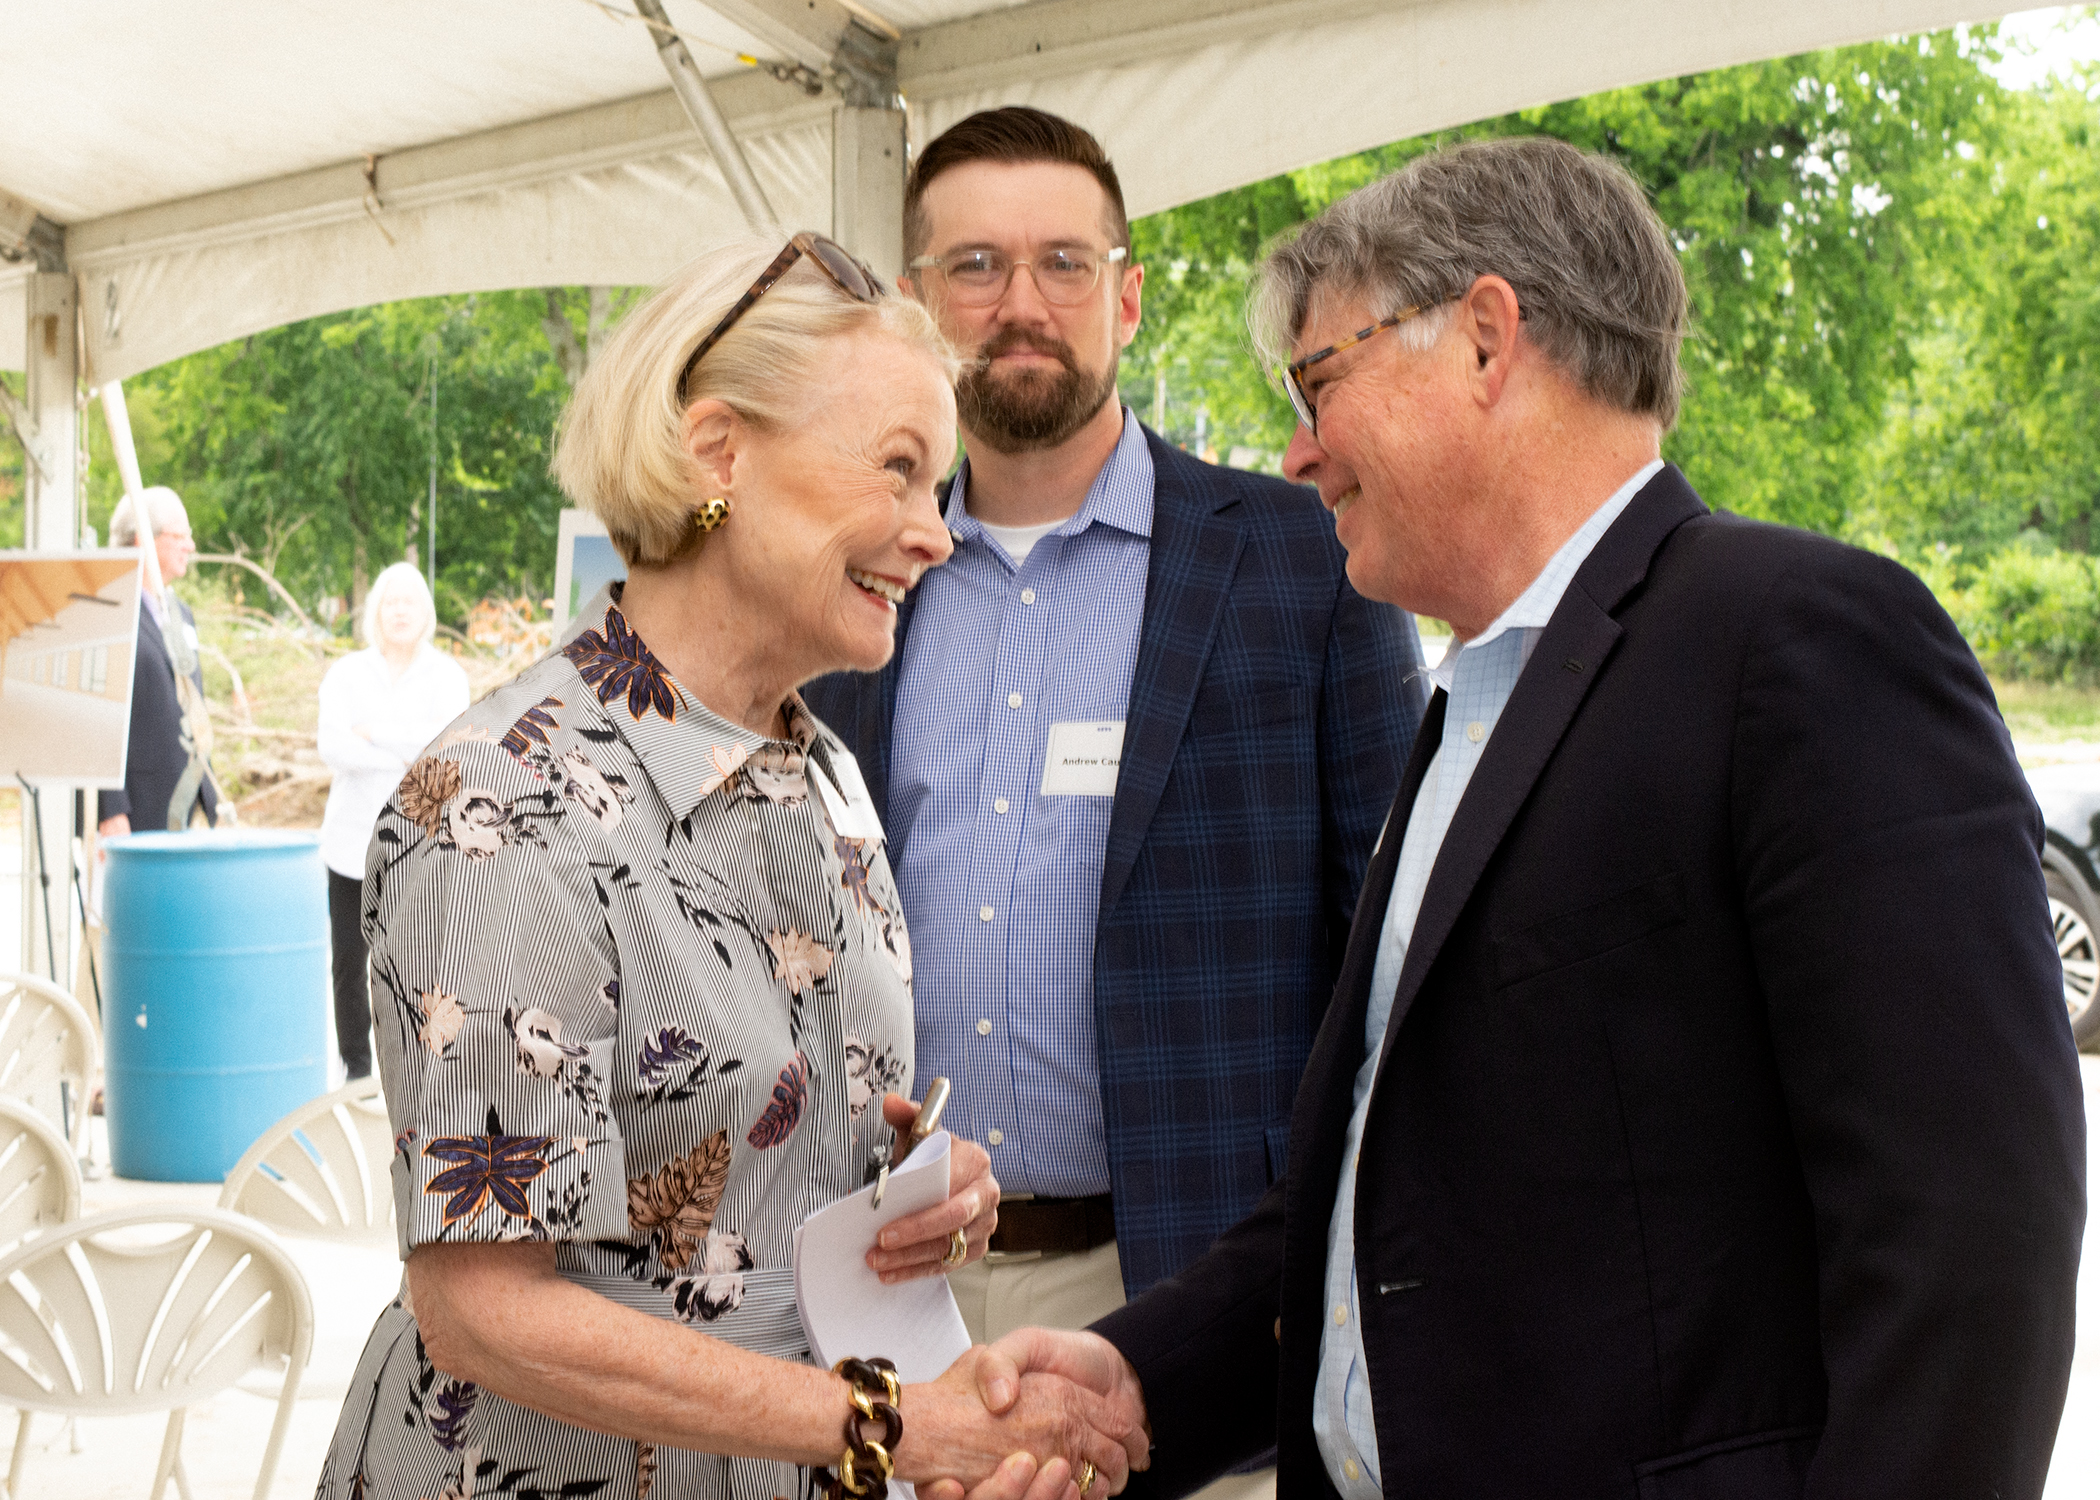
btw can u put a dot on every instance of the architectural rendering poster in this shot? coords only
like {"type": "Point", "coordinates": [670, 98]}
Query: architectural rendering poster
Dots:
{"type": "Point", "coordinates": [68, 636]}
{"type": "Point", "coordinates": [584, 563]}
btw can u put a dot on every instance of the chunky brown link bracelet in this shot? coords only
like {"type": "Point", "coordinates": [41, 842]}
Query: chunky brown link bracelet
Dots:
{"type": "Point", "coordinates": [867, 1464]}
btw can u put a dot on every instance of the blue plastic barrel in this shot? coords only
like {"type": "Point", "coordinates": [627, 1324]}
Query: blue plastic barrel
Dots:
{"type": "Point", "coordinates": [215, 994]}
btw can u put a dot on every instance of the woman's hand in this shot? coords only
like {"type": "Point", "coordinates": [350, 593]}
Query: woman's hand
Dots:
{"type": "Point", "coordinates": [914, 1246]}
{"type": "Point", "coordinates": [1047, 1427]}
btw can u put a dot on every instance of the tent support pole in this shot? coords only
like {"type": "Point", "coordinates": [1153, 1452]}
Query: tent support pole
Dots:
{"type": "Point", "coordinates": [867, 185]}
{"type": "Point", "coordinates": [867, 150]}
{"type": "Point", "coordinates": [707, 116]}
{"type": "Point", "coordinates": [51, 523]}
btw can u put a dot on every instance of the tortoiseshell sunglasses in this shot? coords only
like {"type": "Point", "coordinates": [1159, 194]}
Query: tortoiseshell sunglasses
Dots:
{"type": "Point", "coordinates": [849, 275]}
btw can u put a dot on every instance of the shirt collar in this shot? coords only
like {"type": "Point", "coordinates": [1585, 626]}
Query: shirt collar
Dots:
{"type": "Point", "coordinates": [1120, 496]}
{"type": "Point", "coordinates": [1533, 609]}
{"type": "Point", "coordinates": [690, 751]}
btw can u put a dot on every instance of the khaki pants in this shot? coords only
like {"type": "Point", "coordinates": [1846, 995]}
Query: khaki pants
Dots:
{"type": "Point", "coordinates": [1053, 1289]}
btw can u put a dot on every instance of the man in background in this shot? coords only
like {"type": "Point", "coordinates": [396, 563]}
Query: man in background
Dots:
{"type": "Point", "coordinates": [1131, 754]}
{"type": "Point", "coordinates": [157, 757]}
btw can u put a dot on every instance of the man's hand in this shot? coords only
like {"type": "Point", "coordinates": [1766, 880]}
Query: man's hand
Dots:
{"type": "Point", "coordinates": [1004, 1371]}
{"type": "Point", "coordinates": [109, 828]}
{"type": "Point", "coordinates": [1046, 1427]}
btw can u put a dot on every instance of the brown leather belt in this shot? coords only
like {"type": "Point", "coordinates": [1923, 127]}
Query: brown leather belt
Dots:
{"type": "Point", "coordinates": [1066, 1224]}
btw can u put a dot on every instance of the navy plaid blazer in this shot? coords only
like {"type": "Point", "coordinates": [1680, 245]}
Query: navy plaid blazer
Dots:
{"type": "Point", "coordinates": [1271, 713]}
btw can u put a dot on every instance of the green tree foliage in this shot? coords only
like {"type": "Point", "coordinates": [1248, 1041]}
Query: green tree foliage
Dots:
{"type": "Point", "coordinates": [1808, 200]}
{"type": "Point", "coordinates": [1995, 430]}
{"type": "Point", "coordinates": [310, 445]}
{"type": "Point", "coordinates": [14, 510]}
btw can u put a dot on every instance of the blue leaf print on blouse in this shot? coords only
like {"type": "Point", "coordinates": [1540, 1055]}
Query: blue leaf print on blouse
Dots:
{"type": "Point", "coordinates": [448, 1412]}
{"type": "Point", "coordinates": [490, 1166]}
{"type": "Point", "coordinates": [671, 1047]}
{"type": "Point", "coordinates": [785, 1112]}
{"type": "Point", "coordinates": [616, 662]}
{"type": "Point", "coordinates": [530, 729]}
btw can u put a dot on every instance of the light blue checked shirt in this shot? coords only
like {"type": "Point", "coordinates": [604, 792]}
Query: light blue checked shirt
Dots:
{"type": "Point", "coordinates": [1478, 676]}
{"type": "Point", "coordinates": [1002, 884]}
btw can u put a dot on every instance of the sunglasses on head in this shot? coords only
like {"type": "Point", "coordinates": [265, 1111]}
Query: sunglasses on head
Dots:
{"type": "Point", "coordinates": [849, 275]}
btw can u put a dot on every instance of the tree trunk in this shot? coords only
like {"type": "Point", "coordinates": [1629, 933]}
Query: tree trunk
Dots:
{"type": "Point", "coordinates": [561, 336]}
{"type": "Point", "coordinates": [360, 553]}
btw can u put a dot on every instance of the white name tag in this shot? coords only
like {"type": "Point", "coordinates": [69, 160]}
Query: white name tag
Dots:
{"type": "Point", "coordinates": [1082, 758]}
{"type": "Point", "coordinates": [852, 810]}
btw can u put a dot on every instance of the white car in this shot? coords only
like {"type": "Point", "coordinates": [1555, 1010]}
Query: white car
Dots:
{"type": "Point", "coordinates": [2070, 801]}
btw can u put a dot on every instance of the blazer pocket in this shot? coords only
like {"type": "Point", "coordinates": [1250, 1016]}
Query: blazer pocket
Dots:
{"type": "Point", "coordinates": [1225, 712]}
{"type": "Point", "coordinates": [1611, 923]}
{"type": "Point", "coordinates": [1761, 1466]}
{"type": "Point", "coordinates": [1278, 1140]}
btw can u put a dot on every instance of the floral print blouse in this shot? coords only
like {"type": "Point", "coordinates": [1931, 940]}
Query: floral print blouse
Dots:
{"type": "Point", "coordinates": [636, 996]}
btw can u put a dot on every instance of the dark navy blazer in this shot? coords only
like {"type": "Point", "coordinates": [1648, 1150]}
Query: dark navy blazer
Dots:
{"type": "Point", "coordinates": [1271, 713]}
{"type": "Point", "coordinates": [1727, 1142]}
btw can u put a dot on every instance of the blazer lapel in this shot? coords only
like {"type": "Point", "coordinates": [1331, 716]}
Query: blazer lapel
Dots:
{"type": "Point", "coordinates": [1567, 660]}
{"type": "Point", "coordinates": [1337, 1050]}
{"type": "Point", "coordinates": [1194, 555]}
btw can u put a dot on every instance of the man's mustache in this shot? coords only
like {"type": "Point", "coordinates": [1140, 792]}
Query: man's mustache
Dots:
{"type": "Point", "coordinates": [1017, 340]}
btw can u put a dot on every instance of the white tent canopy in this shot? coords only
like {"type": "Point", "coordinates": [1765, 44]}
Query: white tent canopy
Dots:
{"type": "Point", "coordinates": [207, 161]}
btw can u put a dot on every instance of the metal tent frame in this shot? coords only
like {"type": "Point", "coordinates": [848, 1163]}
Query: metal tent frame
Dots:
{"type": "Point", "coordinates": [176, 175]}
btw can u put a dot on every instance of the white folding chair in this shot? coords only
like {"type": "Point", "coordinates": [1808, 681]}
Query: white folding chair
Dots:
{"type": "Point", "coordinates": [48, 1052]}
{"type": "Point", "coordinates": [111, 1315]}
{"type": "Point", "coordinates": [324, 1171]}
{"type": "Point", "coordinates": [39, 1178]}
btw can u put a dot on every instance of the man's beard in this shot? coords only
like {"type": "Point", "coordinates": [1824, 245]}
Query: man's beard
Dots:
{"type": "Point", "coordinates": [1035, 409]}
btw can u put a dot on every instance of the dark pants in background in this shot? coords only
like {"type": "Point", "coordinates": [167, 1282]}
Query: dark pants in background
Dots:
{"type": "Point", "coordinates": [353, 991]}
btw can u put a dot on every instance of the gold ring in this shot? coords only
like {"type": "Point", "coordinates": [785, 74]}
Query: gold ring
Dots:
{"type": "Point", "coordinates": [1085, 1477]}
{"type": "Point", "coordinates": [958, 1250]}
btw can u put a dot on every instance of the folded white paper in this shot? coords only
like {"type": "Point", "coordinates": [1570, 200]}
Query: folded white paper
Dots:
{"type": "Point", "coordinates": [846, 1310]}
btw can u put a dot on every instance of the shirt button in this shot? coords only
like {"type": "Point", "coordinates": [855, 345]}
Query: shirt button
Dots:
{"type": "Point", "coordinates": [1028, 596]}
{"type": "Point", "coordinates": [1341, 1314]}
{"type": "Point", "coordinates": [1350, 1471]}
{"type": "Point", "coordinates": [994, 1137]}
{"type": "Point", "coordinates": [984, 914]}
{"type": "Point", "coordinates": [999, 806]}
{"type": "Point", "coordinates": [1013, 700]}
{"type": "Point", "coordinates": [984, 1026]}
{"type": "Point", "coordinates": [1476, 731]}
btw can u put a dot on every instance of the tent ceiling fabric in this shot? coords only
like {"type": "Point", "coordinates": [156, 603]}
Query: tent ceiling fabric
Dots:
{"type": "Point", "coordinates": [208, 159]}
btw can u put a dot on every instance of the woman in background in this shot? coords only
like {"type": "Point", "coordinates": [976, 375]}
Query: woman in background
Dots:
{"type": "Point", "coordinates": [379, 708]}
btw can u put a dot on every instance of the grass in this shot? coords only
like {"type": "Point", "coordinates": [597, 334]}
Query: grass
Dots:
{"type": "Point", "coordinates": [2047, 712]}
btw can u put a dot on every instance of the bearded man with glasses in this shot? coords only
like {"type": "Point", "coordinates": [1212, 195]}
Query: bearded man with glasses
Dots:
{"type": "Point", "coordinates": [1132, 754]}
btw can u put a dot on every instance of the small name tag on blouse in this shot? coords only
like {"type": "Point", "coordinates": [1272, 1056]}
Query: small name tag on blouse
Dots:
{"type": "Point", "coordinates": [852, 810]}
{"type": "Point", "coordinates": [1082, 758]}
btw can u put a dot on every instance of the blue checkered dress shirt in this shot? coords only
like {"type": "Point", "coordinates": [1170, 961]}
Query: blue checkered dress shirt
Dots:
{"type": "Point", "coordinates": [1001, 885]}
{"type": "Point", "coordinates": [1478, 675]}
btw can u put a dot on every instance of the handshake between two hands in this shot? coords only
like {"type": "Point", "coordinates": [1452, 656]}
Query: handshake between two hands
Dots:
{"type": "Point", "coordinates": [1020, 1420]}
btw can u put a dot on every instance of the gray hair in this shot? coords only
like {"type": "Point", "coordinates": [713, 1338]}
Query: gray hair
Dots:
{"type": "Point", "coordinates": [1572, 232]}
{"type": "Point", "coordinates": [163, 507]}
{"type": "Point", "coordinates": [398, 578]}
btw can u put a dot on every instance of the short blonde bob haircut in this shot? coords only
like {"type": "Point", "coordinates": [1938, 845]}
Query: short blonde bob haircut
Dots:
{"type": "Point", "coordinates": [621, 454]}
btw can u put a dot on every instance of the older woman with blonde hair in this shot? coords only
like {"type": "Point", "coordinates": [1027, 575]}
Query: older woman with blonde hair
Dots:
{"type": "Point", "coordinates": [640, 965]}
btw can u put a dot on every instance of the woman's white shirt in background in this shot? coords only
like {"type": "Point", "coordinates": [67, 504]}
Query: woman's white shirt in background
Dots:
{"type": "Point", "coordinates": [402, 715]}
